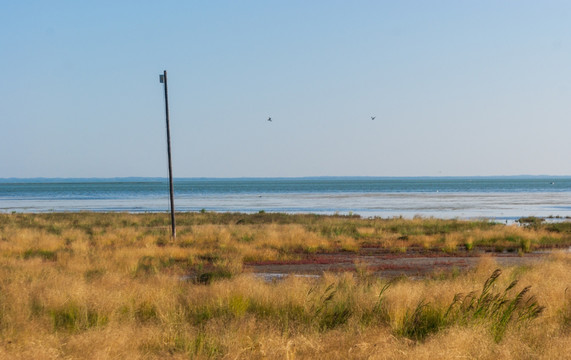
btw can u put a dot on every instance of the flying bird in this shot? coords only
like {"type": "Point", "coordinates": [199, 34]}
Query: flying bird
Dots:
{"type": "Point", "coordinates": [270, 119]}
{"type": "Point", "coordinates": [373, 117]}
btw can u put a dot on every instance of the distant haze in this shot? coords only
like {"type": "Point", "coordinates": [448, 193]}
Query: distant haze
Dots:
{"type": "Point", "coordinates": [457, 88]}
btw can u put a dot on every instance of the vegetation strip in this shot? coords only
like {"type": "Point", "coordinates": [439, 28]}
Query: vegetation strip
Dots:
{"type": "Point", "coordinates": [85, 285]}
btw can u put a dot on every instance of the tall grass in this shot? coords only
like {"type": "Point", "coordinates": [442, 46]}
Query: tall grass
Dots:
{"type": "Point", "coordinates": [114, 286]}
{"type": "Point", "coordinates": [498, 308]}
{"type": "Point", "coordinates": [264, 237]}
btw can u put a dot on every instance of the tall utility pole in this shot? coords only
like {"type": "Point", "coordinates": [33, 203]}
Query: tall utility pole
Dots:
{"type": "Point", "coordinates": [163, 79]}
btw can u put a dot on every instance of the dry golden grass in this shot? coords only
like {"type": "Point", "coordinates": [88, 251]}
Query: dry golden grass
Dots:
{"type": "Point", "coordinates": [111, 286]}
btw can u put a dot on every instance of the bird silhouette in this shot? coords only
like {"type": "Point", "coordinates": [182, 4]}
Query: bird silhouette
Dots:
{"type": "Point", "coordinates": [373, 117]}
{"type": "Point", "coordinates": [270, 119]}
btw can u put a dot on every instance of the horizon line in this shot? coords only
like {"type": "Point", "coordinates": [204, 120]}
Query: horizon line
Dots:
{"type": "Point", "coordinates": [6, 179]}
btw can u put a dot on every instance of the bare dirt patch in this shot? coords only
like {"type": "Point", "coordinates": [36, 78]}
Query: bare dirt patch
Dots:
{"type": "Point", "coordinates": [385, 264]}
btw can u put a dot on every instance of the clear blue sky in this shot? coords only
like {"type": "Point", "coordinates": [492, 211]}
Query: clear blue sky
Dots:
{"type": "Point", "coordinates": [457, 87]}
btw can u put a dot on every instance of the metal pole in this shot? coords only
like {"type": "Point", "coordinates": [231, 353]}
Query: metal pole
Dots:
{"type": "Point", "coordinates": [164, 80]}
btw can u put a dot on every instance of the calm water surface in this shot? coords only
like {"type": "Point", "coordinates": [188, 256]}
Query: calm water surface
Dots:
{"type": "Point", "coordinates": [470, 197]}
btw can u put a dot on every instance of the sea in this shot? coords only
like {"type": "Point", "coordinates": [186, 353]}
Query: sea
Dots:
{"type": "Point", "coordinates": [495, 198]}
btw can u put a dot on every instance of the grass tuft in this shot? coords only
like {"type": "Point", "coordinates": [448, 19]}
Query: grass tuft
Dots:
{"type": "Point", "coordinates": [39, 253]}
{"type": "Point", "coordinates": [499, 309]}
{"type": "Point", "coordinates": [424, 320]}
{"type": "Point", "coordinates": [72, 317]}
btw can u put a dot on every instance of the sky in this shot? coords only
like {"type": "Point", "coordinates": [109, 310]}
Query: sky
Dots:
{"type": "Point", "coordinates": [458, 88]}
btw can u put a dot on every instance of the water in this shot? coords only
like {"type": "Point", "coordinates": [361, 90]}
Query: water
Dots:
{"type": "Point", "coordinates": [502, 198]}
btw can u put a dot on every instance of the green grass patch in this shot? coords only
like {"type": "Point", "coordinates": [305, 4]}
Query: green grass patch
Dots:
{"type": "Point", "coordinates": [40, 253]}
{"type": "Point", "coordinates": [72, 317]}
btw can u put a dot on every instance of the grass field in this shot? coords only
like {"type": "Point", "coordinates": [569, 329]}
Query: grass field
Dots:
{"type": "Point", "coordinates": [115, 286]}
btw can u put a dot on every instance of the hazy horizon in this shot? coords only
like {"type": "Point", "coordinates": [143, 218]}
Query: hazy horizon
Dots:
{"type": "Point", "coordinates": [457, 89]}
{"type": "Point", "coordinates": [134, 178]}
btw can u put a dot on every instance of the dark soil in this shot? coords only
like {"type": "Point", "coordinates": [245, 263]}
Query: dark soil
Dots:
{"type": "Point", "coordinates": [413, 263]}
